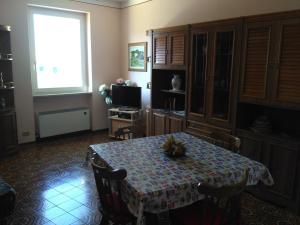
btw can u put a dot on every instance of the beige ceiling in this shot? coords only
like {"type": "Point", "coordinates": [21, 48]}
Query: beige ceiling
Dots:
{"type": "Point", "coordinates": [113, 3]}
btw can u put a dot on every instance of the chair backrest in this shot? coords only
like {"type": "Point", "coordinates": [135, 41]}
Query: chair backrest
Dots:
{"type": "Point", "coordinates": [124, 133]}
{"type": "Point", "coordinates": [222, 205]}
{"type": "Point", "coordinates": [108, 184]}
{"type": "Point", "coordinates": [226, 141]}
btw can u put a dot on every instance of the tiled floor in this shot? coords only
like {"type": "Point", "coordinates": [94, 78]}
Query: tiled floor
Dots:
{"type": "Point", "coordinates": [53, 186]}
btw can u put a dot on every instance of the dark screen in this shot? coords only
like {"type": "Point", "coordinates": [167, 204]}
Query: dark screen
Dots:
{"type": "Point", "coordinates": [126, 96]}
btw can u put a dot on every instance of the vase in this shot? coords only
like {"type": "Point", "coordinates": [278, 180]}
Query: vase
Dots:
{"type": "Point", "coordinates": [176, 82]}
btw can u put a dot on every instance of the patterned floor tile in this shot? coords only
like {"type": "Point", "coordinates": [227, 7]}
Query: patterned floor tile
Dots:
{"type": "Point", "coordinates": [69, 205]}
{"type": "Point", "coordinates": [65, 219]}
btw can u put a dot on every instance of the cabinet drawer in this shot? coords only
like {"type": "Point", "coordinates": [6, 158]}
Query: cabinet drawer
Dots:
{"type": "Point", "coordinates": [204, 130]}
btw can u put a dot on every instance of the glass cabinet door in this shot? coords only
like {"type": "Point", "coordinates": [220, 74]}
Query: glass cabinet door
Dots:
{"type": "Point", "coordinates": [222, 74]}
{"type": "Point", "coordinates": [198, 78]}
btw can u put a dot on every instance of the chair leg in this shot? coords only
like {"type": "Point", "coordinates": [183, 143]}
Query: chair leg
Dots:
{"type": "Point", "coordinates": [87, 158]}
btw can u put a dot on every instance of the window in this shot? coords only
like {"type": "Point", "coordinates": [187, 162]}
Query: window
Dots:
{"type": "Point", "coordinates": [58, 48]}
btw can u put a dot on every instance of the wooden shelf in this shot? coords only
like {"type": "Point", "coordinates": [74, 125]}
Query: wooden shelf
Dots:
{"type": "Point", "coordinates": [5, 28]}
{"type": "Point", "coordinates": [179, 92]}
{"type": "Point", "coordinates": [6, 57]}
{"type": "Point", "coordinates": [6, 60]}
{"type": "Point", "coordinates": [10, 88]}
{"type": "Point", "coordinates": [119, 118]}
{"type": "Point", "coordinates": [7, 110]}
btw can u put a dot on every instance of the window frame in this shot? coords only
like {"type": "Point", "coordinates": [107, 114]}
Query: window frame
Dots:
{"type": "Point", "coordinates": [83, 17]}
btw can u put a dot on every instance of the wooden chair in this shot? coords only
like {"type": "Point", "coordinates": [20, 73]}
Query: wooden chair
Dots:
{"type": "Point", "coordinates": [108, 183]}
{"type": "Point", "coordinates": [221, 206]}
{"type": "Point", "coordinates": [124, 133]}
{"type": "Point", "coordinates": [226, 141]}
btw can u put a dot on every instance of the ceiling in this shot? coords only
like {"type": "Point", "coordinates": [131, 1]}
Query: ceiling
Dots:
{"type": "Point", "coordinates": [114, 3]}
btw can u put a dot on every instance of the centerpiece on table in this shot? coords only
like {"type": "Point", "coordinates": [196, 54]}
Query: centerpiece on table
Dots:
{"type": "Point", "coordinates": [173, 147]}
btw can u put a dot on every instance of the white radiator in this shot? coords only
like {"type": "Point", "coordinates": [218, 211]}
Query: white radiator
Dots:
{"type": "Point", "coordinates": [63, 122]}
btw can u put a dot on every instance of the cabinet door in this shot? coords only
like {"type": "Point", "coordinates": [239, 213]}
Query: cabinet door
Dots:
{"type": "Point", "coordinates": [255, 66]}
{"type": "Point", "coordinates": [251, 146]}
{"type": "Point", "coordinates": [175, 124]}
{"type": "Point", "coordinates": [287, 81]}
{"type": "Point", "coordinates": [176, 49]}
{"type": "Point", "coordinates": [148, 115]}
{"type": "Point", "coordinates": [159, 124]}
{"type": "Point", "coordinates": [8, 133]}
{"type": "Point", "coordinates": [159, 50]}
{"type": "Point", "coordinates": [198, 76]}
{"type": "Point", "coordinates": [221, 80]}
{"type": "Point", "coordinates": [282, 163]}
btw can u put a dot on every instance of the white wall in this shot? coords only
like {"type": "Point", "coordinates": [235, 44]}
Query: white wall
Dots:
{"type": "Point", "coordinates": [136, 20]}
{"type": "Point", "coordinates": [105, 45]}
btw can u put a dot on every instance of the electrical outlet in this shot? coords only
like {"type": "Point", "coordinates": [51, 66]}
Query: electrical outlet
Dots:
{"type": "Point", "coordinates": [149, 85]}
{"type": "Point", "coordinates": [25, 133]}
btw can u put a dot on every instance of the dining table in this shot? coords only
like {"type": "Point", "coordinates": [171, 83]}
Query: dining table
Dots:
{"type": "Point", "coordinates": [157, 183]}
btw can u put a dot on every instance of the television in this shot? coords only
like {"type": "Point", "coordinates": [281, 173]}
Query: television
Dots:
{"type": "Point", "coordinates": [126, 96]}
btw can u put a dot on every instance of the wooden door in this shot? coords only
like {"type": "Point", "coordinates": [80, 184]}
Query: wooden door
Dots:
{"type": "Point", "coordinates": [255, 66]}
{"type": "Point", "coordinates": [8, 133]}
{"type": "Point", "coordinates": [286, 89]}
{"type": "Point", "coordinates": [176, 49]}
{"type": "Point", "coordinates": [282, 159]}
{"type": "Point", "coordinates": [198, 76]}
{"type": "Point", "coordinates": [148, 118]}
{"type": "Point", "coordinates": [160, 45]}
{"type": "Point", "coordinates": [251, 145]}
{"type": "Point", "coordinates": [220, 84]}
{"type": "Point", "coordinates": [159, 124]}
{"type": "Point", "coordinates": [175, 124]}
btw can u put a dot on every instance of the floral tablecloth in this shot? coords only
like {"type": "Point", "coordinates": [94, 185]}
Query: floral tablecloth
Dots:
{"type": "Point", "coordinates": [156, 183]}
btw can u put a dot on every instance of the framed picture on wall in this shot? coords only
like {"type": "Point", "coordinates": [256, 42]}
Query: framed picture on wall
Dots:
{"type": "Point", "coordinates": [137, 55]}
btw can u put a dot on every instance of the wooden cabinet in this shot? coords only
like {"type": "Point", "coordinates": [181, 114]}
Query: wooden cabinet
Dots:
{"type": "Point", "coordinates": [159, 124]}
{"type": "Point", "coordinates": [175, 124]}
{"type": "Point", "coordinates": [256, 57]}
{"type": "Point", "coordinates": [8, 130]}
{"type": "Point", "coordinates": [8, 133]}
{"type": "Point", "coordinates": [286, 84]}
{"type": "Point", "coordinates": [169, 48]}
{"type": "Point", "coordinates": [164, 123]}
{"type": "Point", "coordinates": [213, 72]}
{"type": "Point", "coordinates": [160, 50]}
{"type": "Point", "coordinates": [282, 157]}
{"type": "Point", "coordinates": [271, 60]}
{"type": "Point", "coordinates": [252, 145]}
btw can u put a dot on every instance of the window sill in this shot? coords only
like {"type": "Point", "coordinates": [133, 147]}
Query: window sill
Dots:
{"type": "Point", "coordinates": [61, 94]}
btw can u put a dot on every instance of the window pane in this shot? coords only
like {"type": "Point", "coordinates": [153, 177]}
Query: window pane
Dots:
{"type": "Point", "coordinates": [57, 51]}
{"type": "Point", "coordinates": [223, 71]}
{"type": "Point", "coordinates": [199, 72]}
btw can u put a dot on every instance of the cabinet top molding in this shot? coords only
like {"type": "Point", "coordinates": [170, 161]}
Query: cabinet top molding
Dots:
{"type": "Point", "coordinates": [252, 18]}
